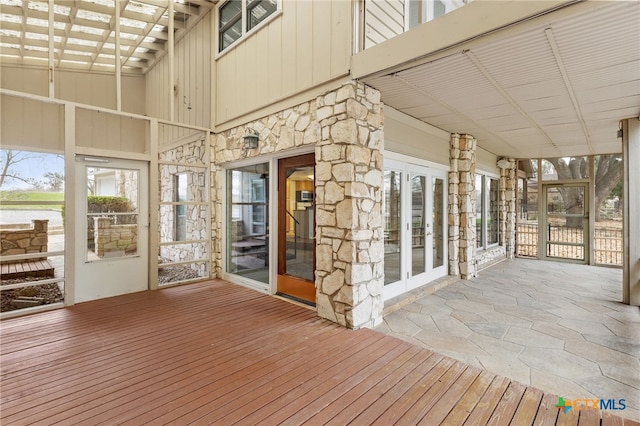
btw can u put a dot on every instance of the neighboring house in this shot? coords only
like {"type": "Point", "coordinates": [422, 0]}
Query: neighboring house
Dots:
{"type": "Point", "coordinates": [339, 153]}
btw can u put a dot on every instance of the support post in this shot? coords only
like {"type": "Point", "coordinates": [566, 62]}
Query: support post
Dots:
{"type": "Point", "coordinates": [631, 221]}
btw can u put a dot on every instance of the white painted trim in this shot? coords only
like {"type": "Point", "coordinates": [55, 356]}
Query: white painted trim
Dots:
{"type": "Point", "coordinates": [394, 156]}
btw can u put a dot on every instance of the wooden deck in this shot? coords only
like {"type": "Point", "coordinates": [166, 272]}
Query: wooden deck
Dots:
{"type": "Point", "coordinates": [216, 353]}
{"type": "Point", "coordinates": [28, 268]}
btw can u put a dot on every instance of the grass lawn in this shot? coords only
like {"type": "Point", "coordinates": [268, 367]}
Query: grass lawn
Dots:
{"type": "Point", "coordinates": [7, 197]}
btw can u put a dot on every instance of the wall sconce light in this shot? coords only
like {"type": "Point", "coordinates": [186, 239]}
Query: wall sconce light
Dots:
{"type": "Point", "coordinates": [619, 134]}
{"type": "Point", "coordinates": [250, 139]}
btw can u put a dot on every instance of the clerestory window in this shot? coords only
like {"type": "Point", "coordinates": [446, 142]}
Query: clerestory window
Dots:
{"type": "Point", "coordinates": [236, 18]}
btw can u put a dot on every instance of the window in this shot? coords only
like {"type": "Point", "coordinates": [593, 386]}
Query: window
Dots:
{"type": "Point", "coordinates": [233, 13]}
{"type": "Point", "coordinates": [487, 211]}
{"type": "Point", "coordinates": [421, 11]}
{"type": "Point", "coordinates": [180, 209]}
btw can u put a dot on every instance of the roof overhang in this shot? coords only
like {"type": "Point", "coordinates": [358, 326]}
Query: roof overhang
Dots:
{"type": "Point", "coordinates": [527, 79]}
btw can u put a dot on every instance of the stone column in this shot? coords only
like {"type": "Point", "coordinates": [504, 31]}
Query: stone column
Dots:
{"type": "Point", "coordinates": [349, 184]}
{"type": "Point", "coordinates": [462, 214]}
{"type": "Point", "coordinates": [508, 197]}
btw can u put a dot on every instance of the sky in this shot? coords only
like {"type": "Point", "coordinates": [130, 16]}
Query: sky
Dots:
{"type": "Point", "coordinates": [34, 165]}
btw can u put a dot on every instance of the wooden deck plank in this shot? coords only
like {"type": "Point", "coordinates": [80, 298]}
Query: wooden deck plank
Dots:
{"type": "Point", "coordinates": [428, 397]}
{"type": "Point", "coordinates": [409, 395]}
{"type": "Point", "coordinates": [503, 414]}
{"type": "Point", "coordinates": [230, 395]}
{"type": "Point", "coordinates": [487, 404]}
{"type": "Point", "coordinates": [216, 353]}
{"type": "Point", "coordinates": [290, 400]}
{"type": "Point", "coordinates": [368, 392]}
{"type": "Point", "coordinates": [609, 419]}
{"type": "Point", "coordinates": [547, 412]}
{"type": "Point", "coordinates": [84, 392]}
{"type": "Point", "coordinates": [528, 408]}
{"type": "Point", "coordinates": [449, 399]}
{"type": "Point", "coordinates": [470, 399]}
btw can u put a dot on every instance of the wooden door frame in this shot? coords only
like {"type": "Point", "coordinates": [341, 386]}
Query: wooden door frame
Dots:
{"type": "Point", "coordinates": [284, 282]}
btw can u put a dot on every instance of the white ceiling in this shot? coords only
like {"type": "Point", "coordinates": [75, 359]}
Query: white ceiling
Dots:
{"type": "Point", "coordinates": [554, 90]}
{"type": "Point", "coordinates": [85, 31]}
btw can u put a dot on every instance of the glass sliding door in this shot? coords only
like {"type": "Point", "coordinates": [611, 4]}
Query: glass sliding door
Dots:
{"type": "Point", "coordinates": [248, 222]}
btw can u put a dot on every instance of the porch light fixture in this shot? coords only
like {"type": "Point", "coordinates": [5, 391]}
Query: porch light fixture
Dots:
{"type": "Point", "coordinates": [250, 139]}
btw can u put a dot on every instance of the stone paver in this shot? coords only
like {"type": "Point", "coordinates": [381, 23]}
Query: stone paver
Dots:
{"type": "Point", "coordinates": [559, 327]}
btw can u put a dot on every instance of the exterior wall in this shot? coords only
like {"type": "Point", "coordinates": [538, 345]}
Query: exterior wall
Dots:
{"type": "Point", "coordinates": [191, 89]}
{"type": "Point", "coordinates": [383, 20]}
{"type": "Point", "coordinates": [305, 46]}
{"type": "Point", "coordinates": [345, 128]}
{"type": "Point", "coordinates": [97, 89]}
{"type": "Point", "coordinates": [23, 241]}
{"type": "Point", "coordinates": [406, 135]}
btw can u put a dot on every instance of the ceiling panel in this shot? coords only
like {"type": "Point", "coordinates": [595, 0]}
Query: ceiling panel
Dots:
{"type": "Point", "coordinates": [85, 31]}
{"type": "Point", "coordinates": [555, 89]}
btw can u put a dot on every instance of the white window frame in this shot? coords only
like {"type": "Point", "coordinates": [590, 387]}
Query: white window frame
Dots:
{"type": "Point", "coordinates": [244, 18]}
{"type": "Point", "coordinates": [427, 8]}
{"type": "Point", "coordinates": [481, 244]}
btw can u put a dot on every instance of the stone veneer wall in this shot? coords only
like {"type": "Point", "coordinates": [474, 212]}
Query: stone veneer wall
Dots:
{"type": "Point", "coordinates": [462, 212]}
{"type": "Point", "coordinates": [345, 127]}
{"type": "Point", "coordinates": [24, 241]}
{"type": "Point", "coordinates": [508, 189]}
{"type": "Point", "coordinates": [190, 160]}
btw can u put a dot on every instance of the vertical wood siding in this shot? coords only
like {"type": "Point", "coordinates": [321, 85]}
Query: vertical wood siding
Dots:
{"type": "Point", "coordinates": [384, 19]}
{"type": "Point", "coordinates": [88, 88]}
{"type": "Point", "coordinates": [307, 45]}
{"type": "Point", "coordinates": [192, 85]}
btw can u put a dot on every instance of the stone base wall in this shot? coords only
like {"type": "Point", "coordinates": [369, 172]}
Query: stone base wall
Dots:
{"type": "Point", "coordinates": [488, 257]}
{"type": "Point", "coordinates": [24, 241]}
{"type": "Point", "coordinates": [110, 239]}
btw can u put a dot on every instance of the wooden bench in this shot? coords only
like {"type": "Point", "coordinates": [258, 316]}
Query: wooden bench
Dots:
{"type": "Point", "coordinates": [28, 268]}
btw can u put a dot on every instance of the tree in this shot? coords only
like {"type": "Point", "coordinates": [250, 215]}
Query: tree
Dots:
{"type": "Point", "coordinates": [608, 174]}
{"type": "Point", "coordinates": [9, 159]}
{"type": "Point", "coordinates": [54, 181]}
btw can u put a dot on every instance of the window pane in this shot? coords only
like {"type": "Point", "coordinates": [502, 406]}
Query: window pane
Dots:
{"type": "Point", "coordinates": [248, 222]}
{"type": "Point", "coordinates": [112, 213]}
{"type": "Point", "coordinates": [479, 209]}
{"type": "Point", "coordinates": [229, 24]}
{"type": "Point", "coordinates": [229, 36]}
{"type": "Point", "coordinates": [493, 223]}
{"type": "Point", "coordinates": [392, 225]}
{"type": "Point", "coordinates": [438, 222]}
{"type": "Point", "coordinates": [418, 189]}
{"type": "Point", "coordinates": [230, 11]}
{"type": "Point", "coordinates": [258, 10]}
